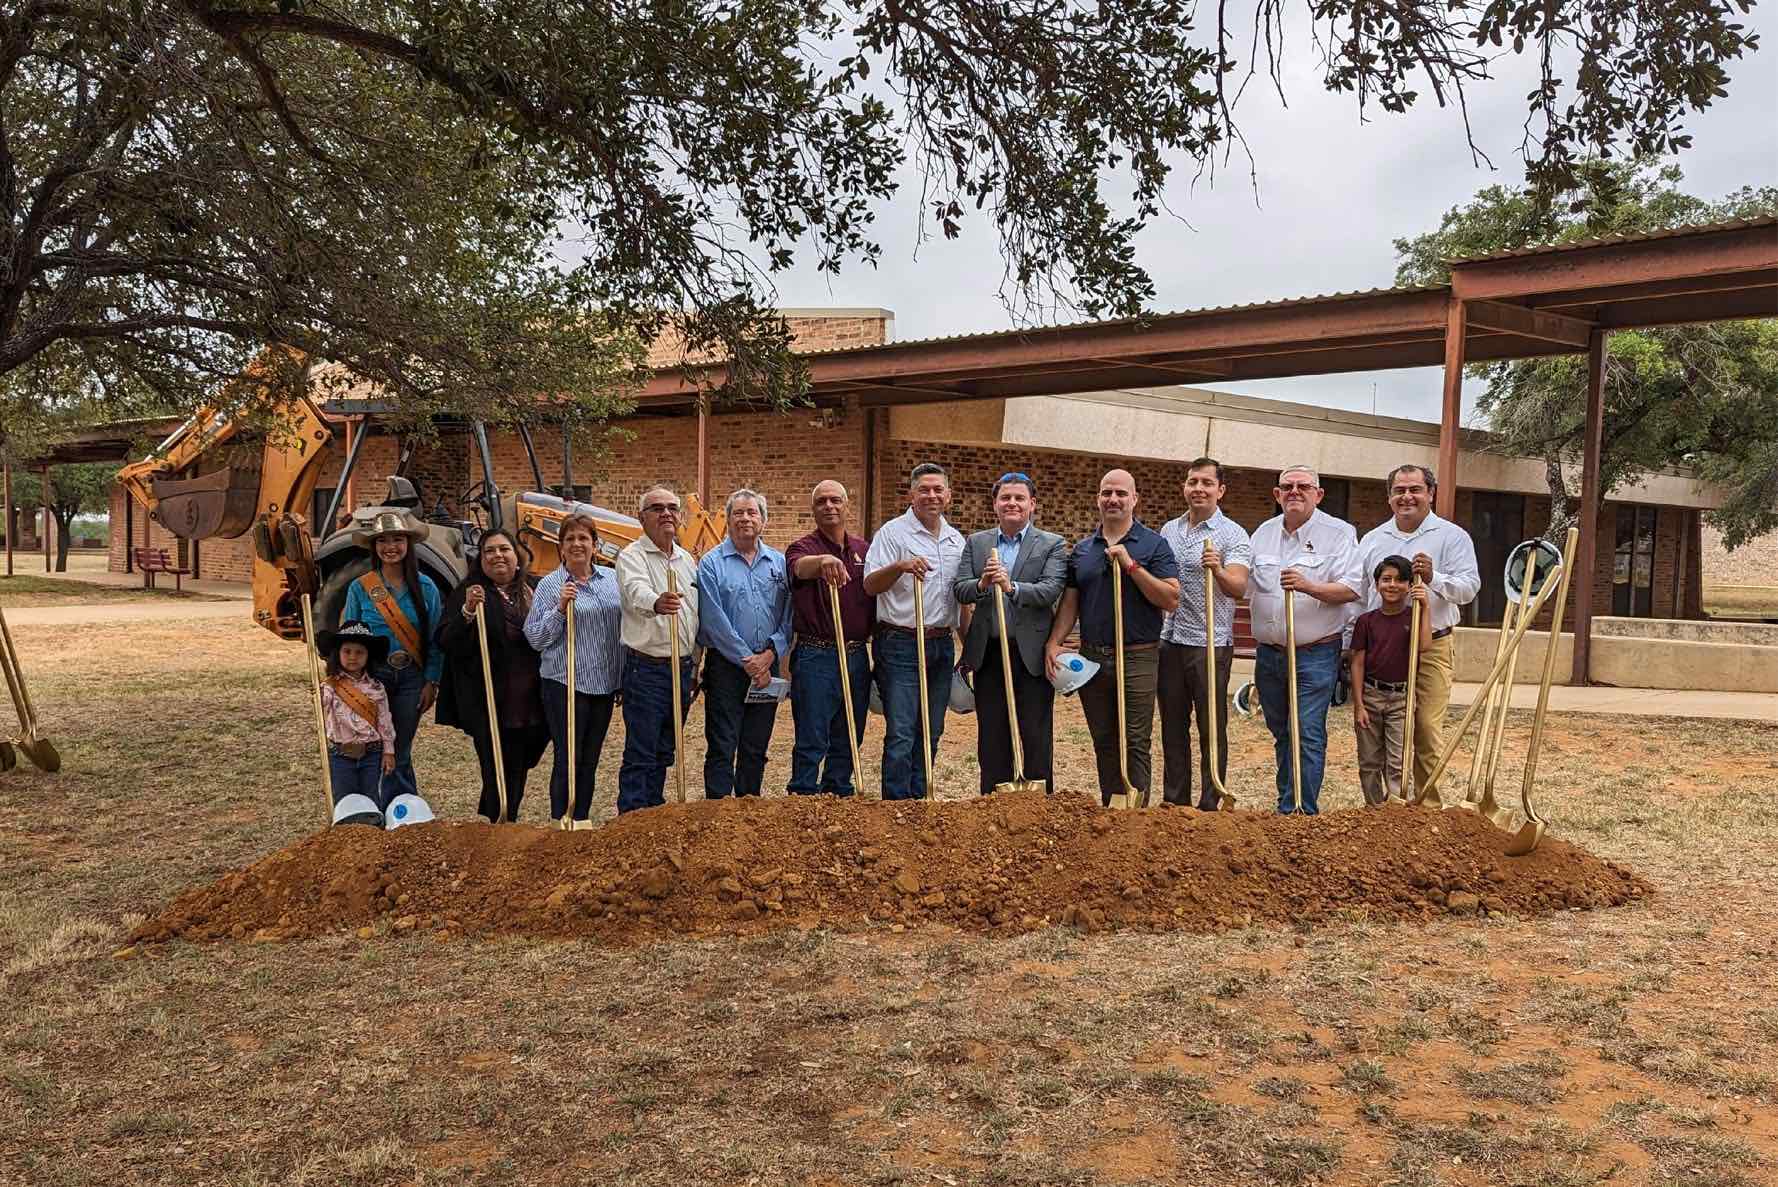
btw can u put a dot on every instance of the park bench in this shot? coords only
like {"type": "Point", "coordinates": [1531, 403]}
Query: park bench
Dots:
{"type": "Point", "coordinates": [159, 560]}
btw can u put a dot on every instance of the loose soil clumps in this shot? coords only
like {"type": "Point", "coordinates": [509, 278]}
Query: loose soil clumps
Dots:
{"type": "Point", "coordinates": [1005, 863]}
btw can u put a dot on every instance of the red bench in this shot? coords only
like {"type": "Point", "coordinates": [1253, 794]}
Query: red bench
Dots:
{"type": "Point", "coordinates": [159, 560]}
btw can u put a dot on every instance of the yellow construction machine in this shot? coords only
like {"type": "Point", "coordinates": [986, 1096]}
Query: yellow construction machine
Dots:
{"type": "Point", "coordinates": [219, 476]}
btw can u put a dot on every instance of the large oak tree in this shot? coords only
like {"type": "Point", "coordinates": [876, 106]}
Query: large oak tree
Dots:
{"type": "Point", "coordinates": [386, 182]}
{"type": "Point", "coordinates": [1701, 397]}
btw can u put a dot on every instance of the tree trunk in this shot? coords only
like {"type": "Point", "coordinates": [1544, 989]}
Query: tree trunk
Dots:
{"type": "Point", "coordinates": [1564, 507]}
{"type": "Point", "coordinates": [64, 535]}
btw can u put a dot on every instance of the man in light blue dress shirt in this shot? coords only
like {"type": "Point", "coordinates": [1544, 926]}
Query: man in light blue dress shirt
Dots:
{"type": "Point", "coordinates": [744, 628]}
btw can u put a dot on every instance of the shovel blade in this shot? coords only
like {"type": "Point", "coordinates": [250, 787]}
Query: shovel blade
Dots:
{"type": "Point", "coordinates": [42, 753]}
{"type": "Point", "coordinates": [1120, 801]}
{"type": "Point", "coordinates": [1526, 839]}
{"type": "Point", "coordinates": [1015, 786]}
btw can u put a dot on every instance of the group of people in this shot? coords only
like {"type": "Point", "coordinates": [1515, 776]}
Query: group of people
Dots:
{"type": "Point", "coordinates": [755, 625]}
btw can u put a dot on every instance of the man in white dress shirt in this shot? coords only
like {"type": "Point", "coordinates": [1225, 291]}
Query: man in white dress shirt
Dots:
{"type": "Point", "coordinates": [1444, 561]}
{"type": "Point", "coordinates": [919, 542]}
{"type": "Point", "coordinates": [1312, 557]}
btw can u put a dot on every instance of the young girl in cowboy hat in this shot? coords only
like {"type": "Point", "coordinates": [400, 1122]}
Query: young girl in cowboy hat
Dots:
{"type": "Point", "coordinates": [360, 731]}
{"type": "Point", "coordinates": [401, 605]}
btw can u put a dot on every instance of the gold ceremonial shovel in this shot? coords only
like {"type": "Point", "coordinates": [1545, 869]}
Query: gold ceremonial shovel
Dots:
{"type": "Point", "coordinates": [1018, 781]}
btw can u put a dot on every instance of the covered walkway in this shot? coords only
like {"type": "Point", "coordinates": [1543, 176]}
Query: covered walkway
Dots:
{"type": "Point", "coordinates": [1511, 305]}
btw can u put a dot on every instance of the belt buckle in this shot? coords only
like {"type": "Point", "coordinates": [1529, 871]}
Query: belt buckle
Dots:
{"type": "Point", "coordinates": [350, 749]}
{"type": "Point", "coordinates": [399, 660]}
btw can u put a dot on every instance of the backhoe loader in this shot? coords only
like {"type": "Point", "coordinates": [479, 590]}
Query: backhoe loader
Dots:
{"type": "Point", "coordinates": [214, 477]}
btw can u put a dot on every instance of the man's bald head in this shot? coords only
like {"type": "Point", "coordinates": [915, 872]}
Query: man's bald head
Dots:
{"type": "Point", "coordinates": [1117, 498]}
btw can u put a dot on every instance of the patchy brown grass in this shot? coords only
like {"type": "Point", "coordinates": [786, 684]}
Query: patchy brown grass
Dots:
{"type": "Point", "coordinates": [1627, 1046]}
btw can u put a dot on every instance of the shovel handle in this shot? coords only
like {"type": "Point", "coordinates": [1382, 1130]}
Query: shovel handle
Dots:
{"type": "Point", "coordinates": [573, 767]}
{"type": "Point", "coordinates": [1407, 728]}
{"type": "Point", "coordinates": [839, 642]}
{"type": "Point", "coordinates": [481, 635]}
{"type": "Point", "coordinates": [1296, 729]}
{"type": "Point", "coordinates": [1012, 712]}
{"type": "Point", "coordinates": [15, 675]}
{"type": "Point", "coordinates": [920, 662]}
{"type": "Point", "coordinates": [1213, 701]}
{"type": "Point", "coordinates": [678, 718]}
{"type": "Point", "coordinates": [314, 657]}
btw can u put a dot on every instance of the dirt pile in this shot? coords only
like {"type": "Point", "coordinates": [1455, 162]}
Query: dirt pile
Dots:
{"type": "Point", "coordinates": [1005, 863]}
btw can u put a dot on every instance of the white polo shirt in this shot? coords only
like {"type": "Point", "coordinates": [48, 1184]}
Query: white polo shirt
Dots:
{"type": "Point", "coordinates": [906, 536]}
{"type": "Point", "coordinates": [1323, 549]}
{"type": "Point", "coordinates": [1456, 578]}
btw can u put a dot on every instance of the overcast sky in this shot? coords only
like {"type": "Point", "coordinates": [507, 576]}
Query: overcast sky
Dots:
{"type": "Point", "coordinates": [1332, 194]}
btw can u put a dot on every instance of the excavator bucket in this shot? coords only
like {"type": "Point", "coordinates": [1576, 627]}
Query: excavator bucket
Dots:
{"type": "Point", "coordinates": [221, 503]}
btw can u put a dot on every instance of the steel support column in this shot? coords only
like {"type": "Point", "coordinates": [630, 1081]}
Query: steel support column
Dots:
{"type": "Point", "coordinates": [1456, 326]}
{"type": "Point", "coordinates": [1586, 563]}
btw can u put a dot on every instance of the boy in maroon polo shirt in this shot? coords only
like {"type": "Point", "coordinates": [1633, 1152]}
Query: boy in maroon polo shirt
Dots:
{"type": "Point", "coordinates": [1380, 676]}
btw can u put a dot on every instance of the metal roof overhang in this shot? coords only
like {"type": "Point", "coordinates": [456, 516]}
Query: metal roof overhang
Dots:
{"type": "Point", "coordinates": [1523, 305]}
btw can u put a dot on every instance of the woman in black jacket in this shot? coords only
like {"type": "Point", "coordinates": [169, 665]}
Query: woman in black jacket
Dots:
{"type": "Point", "coordinates": [499, 584]}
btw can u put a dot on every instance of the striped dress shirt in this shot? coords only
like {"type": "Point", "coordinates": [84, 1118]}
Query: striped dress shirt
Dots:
{"type": "Point", "coordinates": [598, 660]}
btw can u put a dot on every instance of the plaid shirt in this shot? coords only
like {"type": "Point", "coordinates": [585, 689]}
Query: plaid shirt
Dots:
{"type": "Point", "coordinates": [1185, 626]}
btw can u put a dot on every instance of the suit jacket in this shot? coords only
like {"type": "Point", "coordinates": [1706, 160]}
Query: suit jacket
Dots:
{"type": "Point", "coordinates": [1040, 571]}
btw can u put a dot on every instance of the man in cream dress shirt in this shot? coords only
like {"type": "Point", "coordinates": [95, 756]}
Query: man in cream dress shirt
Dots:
{"type": "Point", "coordinates": [650, 614]}
{"type": "Point", "coordinates": [1444, 561]}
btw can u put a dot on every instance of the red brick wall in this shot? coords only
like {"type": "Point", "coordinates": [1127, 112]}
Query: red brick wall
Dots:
{"type": "Point", "coordinates": [781, 455]}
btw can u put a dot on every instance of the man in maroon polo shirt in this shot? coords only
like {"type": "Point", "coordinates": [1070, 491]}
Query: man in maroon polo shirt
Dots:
{"type": "Point", "coordinates": [829, 555]}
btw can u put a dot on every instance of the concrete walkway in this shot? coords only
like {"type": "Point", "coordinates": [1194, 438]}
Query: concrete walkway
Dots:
{"type": "Point", "coordinates": [170, 610]}
{"type": "Point", "coordinates": [1640, 702]}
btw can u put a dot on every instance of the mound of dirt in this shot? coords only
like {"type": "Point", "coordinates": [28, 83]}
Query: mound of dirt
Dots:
{"type": "Point", "coordinates": [1005, 863]}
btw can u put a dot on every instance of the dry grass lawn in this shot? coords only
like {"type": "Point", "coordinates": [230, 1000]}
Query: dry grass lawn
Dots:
{"type": "Point", "coordinates": [27, 589]}
{"type": "Point", "coordinates": [1636, 1046]}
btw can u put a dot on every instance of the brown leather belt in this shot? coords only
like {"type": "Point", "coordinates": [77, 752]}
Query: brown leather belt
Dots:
{"type": "Point", "coordinates": [932, 632]}
{"type": "Point", "coordinates": [663, 660]}
{"type": "Point", "coordinates": [1085, 647]}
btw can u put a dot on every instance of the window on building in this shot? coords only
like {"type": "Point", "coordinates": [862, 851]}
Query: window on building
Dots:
{"type": "Point", "coordinates": [1633, 561]}
{"type": "Point", "coordinates": [1497, 525]}
{"type": "Point", "coordinates": [1336, 493]}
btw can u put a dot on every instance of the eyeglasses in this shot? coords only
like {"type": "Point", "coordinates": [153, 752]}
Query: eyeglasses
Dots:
{"type": "Point", "coordinates": [1288, 487]}
{"type": "Point", "coordinates": [661, 509]}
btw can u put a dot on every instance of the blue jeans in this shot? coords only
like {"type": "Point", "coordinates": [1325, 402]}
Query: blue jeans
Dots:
{"type": "Point", "coordinates": [648, 729]}
{"type": "Point", "coordinates": [904, 775]}
{"type": "Point", "coordinates": [819, 712]}
{"type": "Point", "coordinates": [357, 776]}
{"type": "Point", "coordinates": [1317, 670]}
{"type": "Point", "coordinates": [736, 731]}
{"type": "Point", "coordinates": [592, 720]}
{"type": "Point", "coordinates": [403, 686]}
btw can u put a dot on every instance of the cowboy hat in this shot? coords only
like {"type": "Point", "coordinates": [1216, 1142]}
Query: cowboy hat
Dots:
{"type": "Point", "coordinates": [391, 523]}
{"type": "Point", "coordinates": [355, 631]}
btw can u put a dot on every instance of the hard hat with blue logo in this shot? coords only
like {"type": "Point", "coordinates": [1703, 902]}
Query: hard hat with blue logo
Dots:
{"type": "Point", "coordinates": [1072, 672]}
{"type": "Point", "coordinates": [407, 809]}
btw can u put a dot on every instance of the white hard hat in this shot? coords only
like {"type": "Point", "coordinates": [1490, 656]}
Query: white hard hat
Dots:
{"type": "Point", "coordinates": [357, 809]}
{"type": "Point", "coordinates": [962, 695]}
{"type": "Point", "coordinates": [1244, 699]}
{"type": "Point", "coordinates": [1549, 566]}
{"type": "Point", "coordinates": [408, 809]}
{"type": "Point", "coordinates": [1073, 671]}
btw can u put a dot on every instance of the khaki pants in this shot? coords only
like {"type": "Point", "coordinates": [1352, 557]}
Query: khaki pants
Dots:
{"type": "Point", "coordinates": [1379, 747]}
{"type": "Point", "coordinates": [1098, 700]}
{"type": "Point", "coordinates": [1432, 696]}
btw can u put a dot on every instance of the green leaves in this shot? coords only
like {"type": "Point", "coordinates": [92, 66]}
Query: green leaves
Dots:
{"type": "Point", "coordinates": [1700, 397]}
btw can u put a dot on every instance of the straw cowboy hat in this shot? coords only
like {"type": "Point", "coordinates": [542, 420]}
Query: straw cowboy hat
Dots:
{"type": "Point", "coordinates": [391, 523]}
{"type": "Point", "coordinates": [354, 631]}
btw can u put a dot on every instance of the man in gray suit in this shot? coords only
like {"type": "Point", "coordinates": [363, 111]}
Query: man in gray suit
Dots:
{"type": "Point", "coordinates": [1030, 566]}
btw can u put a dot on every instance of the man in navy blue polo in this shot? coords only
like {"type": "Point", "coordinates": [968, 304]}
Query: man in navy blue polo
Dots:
{"type": "Point", "coordinates": [1150, 576]}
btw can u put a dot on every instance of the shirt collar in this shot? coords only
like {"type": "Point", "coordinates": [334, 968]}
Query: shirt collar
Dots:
{"type": "Point", "coordinates": [1426, 525]}
{"type": "Point", "coordinates": [1001, 537]}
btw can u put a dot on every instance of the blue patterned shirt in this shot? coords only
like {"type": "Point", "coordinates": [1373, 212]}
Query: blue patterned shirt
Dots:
{"type": "Point", "coordinates": [598, 659]}
{"type": "Point", "coordinates": [743, 608]}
